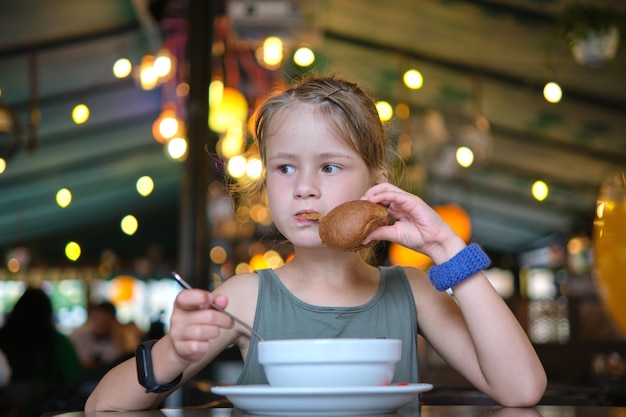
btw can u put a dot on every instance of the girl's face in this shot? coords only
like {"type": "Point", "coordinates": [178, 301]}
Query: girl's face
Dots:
{"type": "Point", "coordinates": [309, 170]}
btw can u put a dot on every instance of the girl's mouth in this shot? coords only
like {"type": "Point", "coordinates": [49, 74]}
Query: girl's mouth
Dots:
{"type": "Point", "coordinates": [309, 216]}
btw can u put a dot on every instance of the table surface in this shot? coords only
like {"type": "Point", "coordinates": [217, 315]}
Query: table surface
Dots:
{"type": "Point", "coordinates": [424, 411]}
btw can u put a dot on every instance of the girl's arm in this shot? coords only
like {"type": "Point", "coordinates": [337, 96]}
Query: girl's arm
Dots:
{"type": "Point", "coordinates": [197, 335]}
{"type": "Point", "coordinates": [475, 331]}
{"type": "Point", "coordinates": [478, 335]}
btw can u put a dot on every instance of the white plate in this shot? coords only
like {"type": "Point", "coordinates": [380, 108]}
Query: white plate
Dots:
{"type": "Point", "coordinates": [263, 399]}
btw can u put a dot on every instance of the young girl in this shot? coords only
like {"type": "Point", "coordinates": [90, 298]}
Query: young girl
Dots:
{"type": "Point", "coordinates": [322, 144]}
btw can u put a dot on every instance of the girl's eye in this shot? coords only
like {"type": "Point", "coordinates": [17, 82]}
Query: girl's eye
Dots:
{"type": "Point", "coordinates": [330, 169]}
{"type": "Point", "coordinates": [286, 169]}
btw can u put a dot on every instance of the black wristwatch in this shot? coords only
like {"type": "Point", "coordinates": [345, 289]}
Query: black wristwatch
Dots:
{"type": "Point", "coordinates": [145, 374]}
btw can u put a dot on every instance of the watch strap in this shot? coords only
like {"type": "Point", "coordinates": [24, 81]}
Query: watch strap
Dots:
{"type": "Point", "coordinates": [145, 372]}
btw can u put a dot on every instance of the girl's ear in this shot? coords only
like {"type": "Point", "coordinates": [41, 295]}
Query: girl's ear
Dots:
{"type": "Point", "coordinates": [381, 176]}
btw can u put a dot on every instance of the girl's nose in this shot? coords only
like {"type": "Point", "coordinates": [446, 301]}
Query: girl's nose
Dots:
{"type": "Point", "coordinates": [306, 187]}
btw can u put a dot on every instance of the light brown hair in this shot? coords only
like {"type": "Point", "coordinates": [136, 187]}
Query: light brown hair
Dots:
{"type": "Point", "coordinates": [350, 110]}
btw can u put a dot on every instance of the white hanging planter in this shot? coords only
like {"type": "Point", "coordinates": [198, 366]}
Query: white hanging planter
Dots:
{"type": "Point", "coordinates": [596, 48]}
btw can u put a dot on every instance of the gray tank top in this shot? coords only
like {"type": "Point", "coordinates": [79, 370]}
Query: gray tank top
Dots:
{"type": "Point", "coordinates": [390, 314]}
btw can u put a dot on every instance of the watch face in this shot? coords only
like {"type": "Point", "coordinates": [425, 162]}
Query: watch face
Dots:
{"type": "Point", "coordinates": [145, 375]}
{"type": "Point", "coordinates": [144, 365]}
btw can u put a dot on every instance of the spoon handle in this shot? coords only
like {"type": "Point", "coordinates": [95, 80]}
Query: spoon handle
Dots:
{"type": "Point", "coordinates": [186, 286]}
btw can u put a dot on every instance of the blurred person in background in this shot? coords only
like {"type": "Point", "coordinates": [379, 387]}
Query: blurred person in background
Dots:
{"type": "Point", "coordinates": [5, 370]}
{"type": "Point", "coordinates": [41, 358]}
{"type": "Point", "coordinates": [102, 341]}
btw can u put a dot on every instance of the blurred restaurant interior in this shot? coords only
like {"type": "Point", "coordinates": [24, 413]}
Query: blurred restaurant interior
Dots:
{"type": "Point", "coordinates": [114, 167]}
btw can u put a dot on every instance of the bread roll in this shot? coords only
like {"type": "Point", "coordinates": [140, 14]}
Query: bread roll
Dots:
{"type": "Point", "coordinates": [345, 226]}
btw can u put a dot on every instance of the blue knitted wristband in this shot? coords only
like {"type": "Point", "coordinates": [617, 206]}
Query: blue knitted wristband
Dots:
{"type": "Point", "coordinates": [463, 265]}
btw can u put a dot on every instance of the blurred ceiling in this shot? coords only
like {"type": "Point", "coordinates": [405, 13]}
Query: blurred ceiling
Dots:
{"type": "Point", "coordinates": [488, 57]}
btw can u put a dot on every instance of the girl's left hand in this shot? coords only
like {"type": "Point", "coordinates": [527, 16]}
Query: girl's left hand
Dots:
{"type": "Point", "coordinates": [416, 225]}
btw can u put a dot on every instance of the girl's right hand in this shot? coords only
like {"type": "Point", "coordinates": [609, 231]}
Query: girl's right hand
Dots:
{"type": "Point", "coordinates": [194, 323]}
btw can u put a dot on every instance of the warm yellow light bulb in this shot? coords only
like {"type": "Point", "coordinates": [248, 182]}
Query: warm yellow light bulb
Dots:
{"type": "Point", "coordinates": [237, 166]}
{"type": "Point", "coordinates": [72, 251]}
{"type": "Point", "coordinates": [148, 77]}
{"type": "Point", "coordinates": [122, 68]}
{"type": "Point", "coordinates": [254, 168]}
{"type": "Point", "coordinates": [80, 114]}
{"type": "Point", "coordinates": [385, 111]}
{"type": "Point", "coordinates": [168, 126]}
{"type": "Point", "coordinates": [258, 262]}
{"type": "Point", "coordinates": [552, 92]}
{"type": "Point", "coordinates": [145, 185]}
{"type": "Point", "coordinates": [304, 57]}
{"type": "Point", "coordinates": [464, 156]}
{"type": "Point", "coordinates": [64, 197]}
{"type": "Point", "coordinates": [177, 148]}
{"type": "Point", "coordinates": [129, 224]}
{"type": "Point", "coordinates": [540, 190]}
{"type": "Point", "coordinates": [3, 165]}
{"type": "Point", "coordinates": [272, 51]}
{"type": "Point", "coordinates": [216, 93]}
{"type": "Point", "coordinates": [163, 64]}
{"type": "Point", "coordinates": [413, 79]}
{"type": "Point", "coordinates": [229, 107]}
{"type": "Point", "coordinates": [232, 143]}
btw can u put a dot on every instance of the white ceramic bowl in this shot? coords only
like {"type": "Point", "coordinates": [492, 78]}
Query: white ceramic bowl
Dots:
{"type": "Point", "coordinates": [329, 362]}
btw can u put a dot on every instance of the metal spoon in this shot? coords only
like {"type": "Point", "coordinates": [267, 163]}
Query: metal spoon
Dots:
{"type": "Point", "coordinates": [187, 286]}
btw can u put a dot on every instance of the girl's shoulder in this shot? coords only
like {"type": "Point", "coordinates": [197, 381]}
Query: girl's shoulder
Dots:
{"type": "Point", "coordinates": [414, 274]}
{"type": "Point", "coordinates": [418, 280]}
{"type": "Point", "coordinates": [240, 285]}
{"type": "Point", "coordinates": [242, 291]}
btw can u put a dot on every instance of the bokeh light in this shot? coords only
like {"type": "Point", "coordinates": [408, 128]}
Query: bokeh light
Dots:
{"type": "Point", "coordinates": [148, 77]}
{"type": "Point", "coordinates": [232, 142]}
{"type": "Point", "coordinates": [413, 79]}
{"type": "Point", "coordinates": [237, 166]}
{"type": "Point", "coordinates": [403, 111]}
{"type": "Point", "coordinates": [177, 148]}
{"type": "Point", "coordinates": [218, 255]}
{"type": "Point", "coordinates": [14, 265]}
{"type": "Point", "coordinates": [182, 90]}
{"type": "Point", "coordinates": [145, 185]}
{"type": "Point", "coordinates": [129, 224]}
{"type": "Point", "coordinates": [272, 51]}
{"type": "Point", "coordinates": [385, 111]}
{"type": "Point", "coordinates": [80, 114]}
{"type": "Point", "coordinates": [304, 57]}
{"type": "Point", "coordinates": [164, 64]}
{"type": "Point", "coordinates": [227, 107]}
{"type": "Point", "coordinates": [464, 156]}
{"type": "Point", "coordinates": [254, 168]}
{"type": "Point", "coordinates": [540, 190]}
{"type": "Point", "coordinates": [455, 216]}
{"type": "Point", "coordinates": [552, 92]}
{"type": "Point", "coordinates": [72, 251]}
{"type": "Point", "coordinates": [122, 68]}
{"type": "Point", "coordinates": [64, 197]}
